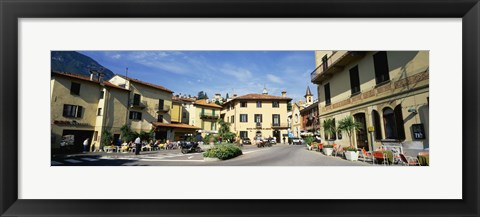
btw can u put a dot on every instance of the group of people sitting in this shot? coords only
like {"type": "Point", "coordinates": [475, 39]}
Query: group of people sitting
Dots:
{"type": "Point", "coordinates": [151, 145]}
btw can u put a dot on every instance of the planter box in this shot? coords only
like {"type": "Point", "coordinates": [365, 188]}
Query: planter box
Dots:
{"type": "Point", "coordinates": [328, 151]}
{"type": "Point", "coordinates": [351, 155]}
{"type": "Point", "coordinates": [210, 159]}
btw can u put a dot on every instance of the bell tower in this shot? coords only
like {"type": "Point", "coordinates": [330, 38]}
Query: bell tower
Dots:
{"type": "Point", "coordinates": [308, 96]}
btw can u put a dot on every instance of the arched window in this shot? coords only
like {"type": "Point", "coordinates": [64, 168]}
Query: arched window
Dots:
{"type": "Point", "coordinates": [376, 125]}
{"type": "Point", "coordinates": [393, 121]}
{"type": "Point", "coordinates": [390, 125]}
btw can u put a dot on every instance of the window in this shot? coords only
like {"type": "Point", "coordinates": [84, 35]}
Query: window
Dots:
{"type": "Point", "coordinates": [243, 134]}
{"type": "Point", "coordinates": [135, 115]}
{"type": "Point", "coordinates": [160, 104]}
{"type": "Point", "coordinates": [72, 111]}
{"type": "Point", "coordinates": [276, 120]}
{"type": "Point", "coordinates": [99, 112]}
{"type": "Point", "coordinates": [393, 123]}
{"type": "Point", "coordinates": [296, 118]}
{"type": "Point", "coordinates": [380, 63]}
{"type": "Point", "coordinates": [160, 118]}
{"type": "Point", "coordinates": [243, 104]}
{"type": "Point", "coordinates": [212, 127]}
{"type": "Point", "coordinates": [327, 93]}
{"type": "Point", "coordinates": [102, 93]}
{"type": "Point", "coordinates": [232, 119]}
{"type": "Point", "coordinates": [275, 104]}
{"type": "Point", "coordinates": [259, 104]}
{"type": "Point", "coordinates": [258, 118]}
{"type": "Point", "coordinates": [376, 125]}
{"type": "Point", "coordinates": [243, 118]}
{"type": "Point", "coordinates": [75, 88]}
{"type": "Point", "coordinates": [325, 62]}
{"type": "Point", "coordinates": [136, 99]}
{"type": "Point", "coordinates": [354, 80]}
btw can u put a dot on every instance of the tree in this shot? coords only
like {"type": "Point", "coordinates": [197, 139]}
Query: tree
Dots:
{"type": "Point", "coordinates": [127, 134]}
{"type": "Point", "coordinates": [206, 96]}
{"type": "Point", "coordinates": [201, 95]}
{"type": "Point", "coordinates": [217, 102]}
{"type": "Point", "coordinates": [329, 127]}
{"type": "Point", "coordinates": [224, 130]}
{"type": "Point", "coordinates": [107, 138]}
{"type": "Point", "coordinates": [349, 125]}
{"type": "Point", "coordinates": [226, 97]}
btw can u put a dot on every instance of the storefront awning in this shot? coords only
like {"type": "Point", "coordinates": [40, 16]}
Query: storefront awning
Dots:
{"type": "Point", "coordinates": [182, 126]}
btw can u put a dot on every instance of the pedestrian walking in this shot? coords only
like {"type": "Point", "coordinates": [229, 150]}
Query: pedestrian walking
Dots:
{"type": "Point", "coordinates": [138, 145]}
{"type": "Point", "coordinates": [85, 145]}
{"type": "Point", "coordinates": [284, 140]}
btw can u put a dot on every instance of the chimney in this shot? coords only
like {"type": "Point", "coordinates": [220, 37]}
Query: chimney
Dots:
{"type": "Point", "coordinates": [284, 93]}
{"type": "Point", "coordinates": [234, 95]}
{"type": "Point", "coordinates": [93, 74]}
{"type": "Point", "coordinates": [100, 78]}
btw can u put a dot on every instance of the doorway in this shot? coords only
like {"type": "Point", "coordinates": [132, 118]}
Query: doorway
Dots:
{"type": "Point", "coordinates": [276, 134]}
{"type": "Point", "coordinates": [362, 140]}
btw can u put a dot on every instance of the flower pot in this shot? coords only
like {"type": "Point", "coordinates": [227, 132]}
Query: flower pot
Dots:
{"type": "Point", "coordinates": [328, 151]}
{"type": "Point", "coordinates": [351, 155]}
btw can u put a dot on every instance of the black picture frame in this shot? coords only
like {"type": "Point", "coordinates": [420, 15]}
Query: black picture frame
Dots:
{"type": "Point", "coordinates": [11, 11]}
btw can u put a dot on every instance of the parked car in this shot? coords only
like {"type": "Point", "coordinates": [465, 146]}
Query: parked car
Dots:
{"type": "Point", "coordinates": [297, 141]}
{"type": "Point", "coordinates": [272, 141]}
{"type": "Point", "coordinates": [246, 141]}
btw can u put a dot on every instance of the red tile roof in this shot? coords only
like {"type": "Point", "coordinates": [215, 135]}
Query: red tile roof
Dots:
{"type": "Point", "coordinates": [203, 102]}
{"type": "Point", "coordinates": [85, 78]}
{"type": "Point", "coordinates": [146, 83]}
{"type": "Point", "coordinates": [185, 126]}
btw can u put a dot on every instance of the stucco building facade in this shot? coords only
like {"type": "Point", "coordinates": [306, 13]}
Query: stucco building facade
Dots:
{"type": "Point", "coordinates": [386, 91]}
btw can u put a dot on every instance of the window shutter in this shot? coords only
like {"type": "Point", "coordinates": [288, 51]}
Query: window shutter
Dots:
{"type": "Point", "coordinates": [65, 111]}
{"type": "Point", "coordinates": [139, 116]}
{"type": "Point", "coordinates": [130, 116]}
{"type": "Point", "coordinates": [399, 122]}
{"type": "Point", "coordinates": [79, 111]}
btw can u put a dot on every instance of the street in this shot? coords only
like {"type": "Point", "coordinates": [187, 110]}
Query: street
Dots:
{"type": "Point", "coordinates": [278, 155]}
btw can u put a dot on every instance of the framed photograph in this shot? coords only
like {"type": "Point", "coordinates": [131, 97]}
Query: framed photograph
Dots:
{"type": "Point", "coordinates": [231, 108]}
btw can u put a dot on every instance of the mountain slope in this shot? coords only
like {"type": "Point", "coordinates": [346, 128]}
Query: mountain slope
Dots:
{"type": "Point", "coordinates": [77, 63]}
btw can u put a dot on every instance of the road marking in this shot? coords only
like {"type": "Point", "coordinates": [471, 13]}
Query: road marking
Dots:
{"type": "Point", "coordinates": [54, 163]}
{"type": "Point", "coordinates": [89, 159]}
{"type": "Point", "coordinates": [73, 161]}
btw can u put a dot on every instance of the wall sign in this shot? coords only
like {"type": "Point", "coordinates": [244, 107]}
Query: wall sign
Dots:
{"type": "Point", "coordinates": [418, 131]}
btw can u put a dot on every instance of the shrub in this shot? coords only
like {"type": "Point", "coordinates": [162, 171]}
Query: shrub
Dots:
{"type": "Point", "coordinates": [350, 148]}
{"type": "Point", "coordinates": [223, 152]}
{"type": "Point", "coordinates": [309, 140]}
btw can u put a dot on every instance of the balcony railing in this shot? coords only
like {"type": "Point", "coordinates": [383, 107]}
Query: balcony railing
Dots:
{"type": "Point", "coordinates": [279, 125]}
{"type": "Point", "coordinates": [207, 116]}
{"type": "Point", "coordinates": [162, 108]}
{"type": "Point", "coordinates": [336, 62]}
{"type": "Point", "coordinates": [139, 105]}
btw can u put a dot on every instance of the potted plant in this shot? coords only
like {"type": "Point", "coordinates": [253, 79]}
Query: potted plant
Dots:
{"type": "Point", "coordinates": [309, 140]}
{"type": "Point", "coordinates": [330, 130]}
{"type": "Point", "coordinates": [328, 150]}
{"type": "Point", "coordinates": [349, 125]}
{"type": "Point", "coordinates": [351, 153]}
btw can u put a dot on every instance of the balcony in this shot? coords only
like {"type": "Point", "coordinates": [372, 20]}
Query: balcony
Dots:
{"type": "Point", "coordinates": [162, 108]}
{"type": "Point", "coordinates": [258, 125]}
{"type": "Point", "coordinates": [211, 117]}
{"type": "Point", "coordinates": [280, 125]}
{"type": "Point", "coordinates": [335, 63]}
{"type": "Point", "coordinates": [138, 105]}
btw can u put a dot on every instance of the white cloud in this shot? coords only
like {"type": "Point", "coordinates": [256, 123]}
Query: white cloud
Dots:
{"type": "Point", "coordinates": [274, 79]}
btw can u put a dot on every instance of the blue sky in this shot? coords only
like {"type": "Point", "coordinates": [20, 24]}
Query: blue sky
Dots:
{"type": "Point", "coordinates": [241, 72]}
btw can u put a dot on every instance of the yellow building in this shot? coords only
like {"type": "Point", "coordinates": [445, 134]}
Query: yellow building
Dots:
{"type": "Point", "coordinates": [149, 106]}
{"type": "Point", "coordinates": [386, 91]}
{"type": "Point", "coordinates": [180, 114]}
{"type": "Point", "coordinates": [83, 107]}
{"type": "Point", "coordinates": [206, 115]}
{"type": "Point", "coordinates": [257, 115]}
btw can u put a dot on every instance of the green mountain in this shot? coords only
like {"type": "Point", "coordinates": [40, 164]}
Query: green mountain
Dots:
{"type": "Point", "coordinates": [76, 63]}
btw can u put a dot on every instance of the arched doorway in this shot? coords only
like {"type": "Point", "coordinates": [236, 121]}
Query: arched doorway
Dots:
{"type": "Point", "coordinates": [393, 122]}
{"type": "Point", "coordinates": [362, 140]}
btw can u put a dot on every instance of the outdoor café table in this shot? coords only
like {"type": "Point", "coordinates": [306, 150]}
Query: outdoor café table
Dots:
{"type": "Point", "coordinates": [423, 160]}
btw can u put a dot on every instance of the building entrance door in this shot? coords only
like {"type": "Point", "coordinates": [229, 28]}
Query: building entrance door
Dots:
{"type": "Point", "coordinates": [276, 134]}
{"type": "Point", "coordinates": [362, 140]}
{"type": "Point", "coordinates": [79, 136]}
